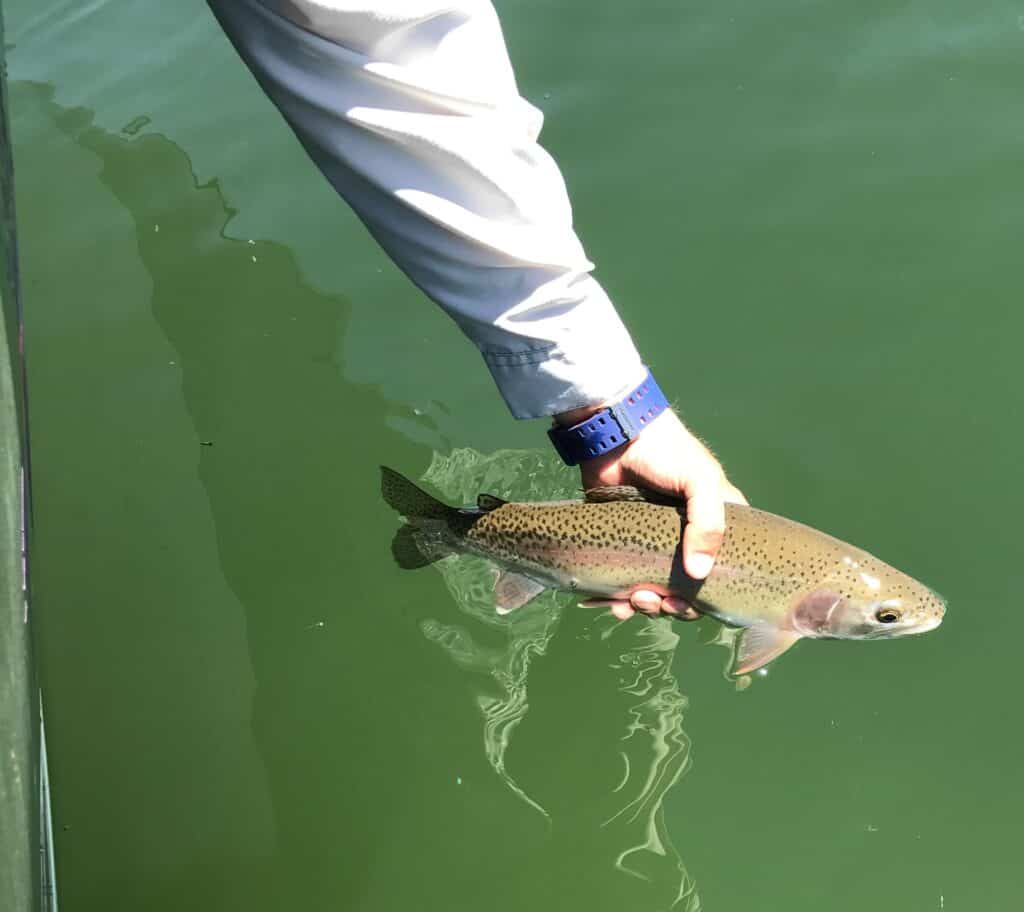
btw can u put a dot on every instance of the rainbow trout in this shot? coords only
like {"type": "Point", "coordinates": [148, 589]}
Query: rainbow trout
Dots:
{"type": "Point", "coordinates": [779, 580]}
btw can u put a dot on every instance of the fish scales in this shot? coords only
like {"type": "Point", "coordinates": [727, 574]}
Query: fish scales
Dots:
{"type": "Point", "coordinates": [598, 548]}
{"type": "Point", "coordinates": [780, 580]}
{"type": "Point", "coordinates": [766, 561]}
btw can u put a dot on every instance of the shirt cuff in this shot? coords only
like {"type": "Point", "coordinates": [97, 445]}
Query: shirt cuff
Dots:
{"type": "Point", "coordinates": [585, 357]}
{"type": "Point", "coordinates": [548, 382]}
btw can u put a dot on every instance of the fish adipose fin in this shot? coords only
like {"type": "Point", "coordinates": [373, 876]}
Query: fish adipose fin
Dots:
{"type": "Point", "coordinates": [402, 495]}
{"type": "Point", "coordinates": [612, 493]}
{"type": "Point", "coordinates": [488, 502]}
{"type": "Point", "coordinates": [513, 590]}
{"type": "Point", "coordinates": [412, 549]}
{"type": "Point", "coordinates": [759, 644]}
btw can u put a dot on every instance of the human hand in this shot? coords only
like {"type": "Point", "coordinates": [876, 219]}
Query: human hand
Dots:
{"type": "Point", "coordinates": [669, 458]}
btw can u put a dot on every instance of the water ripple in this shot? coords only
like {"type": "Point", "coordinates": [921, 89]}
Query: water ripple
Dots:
{"type": "Point", "coordinates": [655, 749]}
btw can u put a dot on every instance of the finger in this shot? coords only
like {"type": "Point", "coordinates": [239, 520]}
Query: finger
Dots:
{"type": "Point", "coordinates": [646, 601]}
{"type": "Point", "coordinates": [705, 513]}
{"type": "Point", "coordinates": [620, 608]}
{"type": "Point", "coordinates": [683, 610]}
{"type": "Point", "coordinates": [597, 603]}
{"type": "Point", "coordinates": [732, 494]}
{"type": "Point", "coordinates": [622, 611]}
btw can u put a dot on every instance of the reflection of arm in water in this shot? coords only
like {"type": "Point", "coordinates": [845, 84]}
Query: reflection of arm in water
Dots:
{"type": "Point", "coordinates": [410, 109]}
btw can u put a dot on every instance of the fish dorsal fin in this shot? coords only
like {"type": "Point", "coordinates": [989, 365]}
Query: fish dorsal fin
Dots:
{"type": "Point", "coordinates": [759, 644]}
{"type": "Point", "coordinates": [612, 493]}
{"type": "Point", "coordinates": [488, 502]}
{"type": "Point", "coordinates": [513, 590]}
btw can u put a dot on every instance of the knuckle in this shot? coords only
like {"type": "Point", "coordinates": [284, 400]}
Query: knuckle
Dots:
{"type": "Point", "coordinates": [711, 542]}
{"type": "Point", "coordinates": [708, 481]}
{"type": "Point", "coordinates": [709, 528]}
{"type": "Point", "coordinates": [707, 540]}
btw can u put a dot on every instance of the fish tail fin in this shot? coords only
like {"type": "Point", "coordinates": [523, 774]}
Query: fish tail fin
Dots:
{"type": "Point", "coordinates": [423, 539]}
{"type": "Point", "coordinates": [402, 495]}
{"type": "Point", "coordinates": [412, 549]}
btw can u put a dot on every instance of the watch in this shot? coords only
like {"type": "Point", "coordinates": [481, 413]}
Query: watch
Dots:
{"type": "Point", "coordinates": [611, 427]}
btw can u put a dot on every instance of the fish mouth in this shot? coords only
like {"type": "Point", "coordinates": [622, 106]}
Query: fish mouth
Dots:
{"type": "Point", "coordinates": [937, 613]}
{"type": "Point", "coordinates": [922, 626]}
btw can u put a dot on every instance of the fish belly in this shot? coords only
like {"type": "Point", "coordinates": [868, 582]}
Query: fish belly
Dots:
{"type": "Point", "coordinates": [604, 572]}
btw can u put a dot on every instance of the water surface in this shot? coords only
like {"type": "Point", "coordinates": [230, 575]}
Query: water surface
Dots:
{"type": "Point", "coordinates": [811, 219]}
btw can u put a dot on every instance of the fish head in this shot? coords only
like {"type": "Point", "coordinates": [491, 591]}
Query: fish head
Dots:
{"type": "Point", "coordinates": [871, 601]}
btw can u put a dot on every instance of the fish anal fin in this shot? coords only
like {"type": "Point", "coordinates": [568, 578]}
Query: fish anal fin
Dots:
{"type": "Point", "coordinates": [513, 590]}
{"type": "Point", "coordinates": [412, 549]}
{"type": "Point", "coordinates": [759, 644]}
{"type": "Point", "coordinates": [613, 493]}
{"type": "Point", "coordinates": [488, 502]}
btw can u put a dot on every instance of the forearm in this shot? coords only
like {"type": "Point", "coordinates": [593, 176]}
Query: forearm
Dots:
{"type": "Point", "coordinates": [411, 111]}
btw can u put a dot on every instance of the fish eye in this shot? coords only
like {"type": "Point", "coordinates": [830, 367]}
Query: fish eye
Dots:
{"type": "Point", "coordinates": [887, 615]}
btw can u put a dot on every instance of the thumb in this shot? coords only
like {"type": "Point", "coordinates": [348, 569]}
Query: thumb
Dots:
{"type": "Point", "coordinates": [705, 527]}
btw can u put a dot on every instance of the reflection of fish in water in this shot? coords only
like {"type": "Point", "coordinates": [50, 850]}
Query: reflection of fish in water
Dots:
{"type": "Point", "coordinates": [776, 578]}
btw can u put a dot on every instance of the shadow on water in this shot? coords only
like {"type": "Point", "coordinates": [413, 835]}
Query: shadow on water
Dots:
{"type": "Point", "coordinates": [363, 776]}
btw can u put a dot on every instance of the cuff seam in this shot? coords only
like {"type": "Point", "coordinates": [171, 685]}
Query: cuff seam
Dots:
{"type": "Point", "coordinates": [516, 359]}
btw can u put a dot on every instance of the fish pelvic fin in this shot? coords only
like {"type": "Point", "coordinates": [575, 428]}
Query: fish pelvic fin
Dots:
{"type": "Point", "coordinates": [412, 548]}
{"type": "Point", "coordinates": [513, 590]}
{"type": "Point", "coordinates": [412, 502]}
{"type": "Point", "coordinates": [759, 644]}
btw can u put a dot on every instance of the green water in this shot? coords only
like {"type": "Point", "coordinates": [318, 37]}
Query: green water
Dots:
{"type": "Point", "coordinates": [809, 214]}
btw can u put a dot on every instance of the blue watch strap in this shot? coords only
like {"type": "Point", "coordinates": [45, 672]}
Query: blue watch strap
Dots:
{"type": "Point", "coordinates": [611, 427]}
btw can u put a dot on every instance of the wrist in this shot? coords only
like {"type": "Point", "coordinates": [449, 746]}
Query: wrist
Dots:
{"type": "Point", "coordinates": [576, 415]}
{"type": "Point", "coordinates": [595, 431]}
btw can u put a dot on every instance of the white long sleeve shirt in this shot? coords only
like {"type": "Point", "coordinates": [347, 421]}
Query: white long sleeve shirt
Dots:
{"type": "Point", "coordinates": [410, 109]}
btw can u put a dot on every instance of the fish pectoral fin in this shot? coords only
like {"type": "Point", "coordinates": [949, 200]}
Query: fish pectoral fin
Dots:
{"type": "Point", "coordinates": [513, 590]}
{"type": "Point", "coordinates": [613, 493]}
{"type": "Point", "coordinates": [759, 644]}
